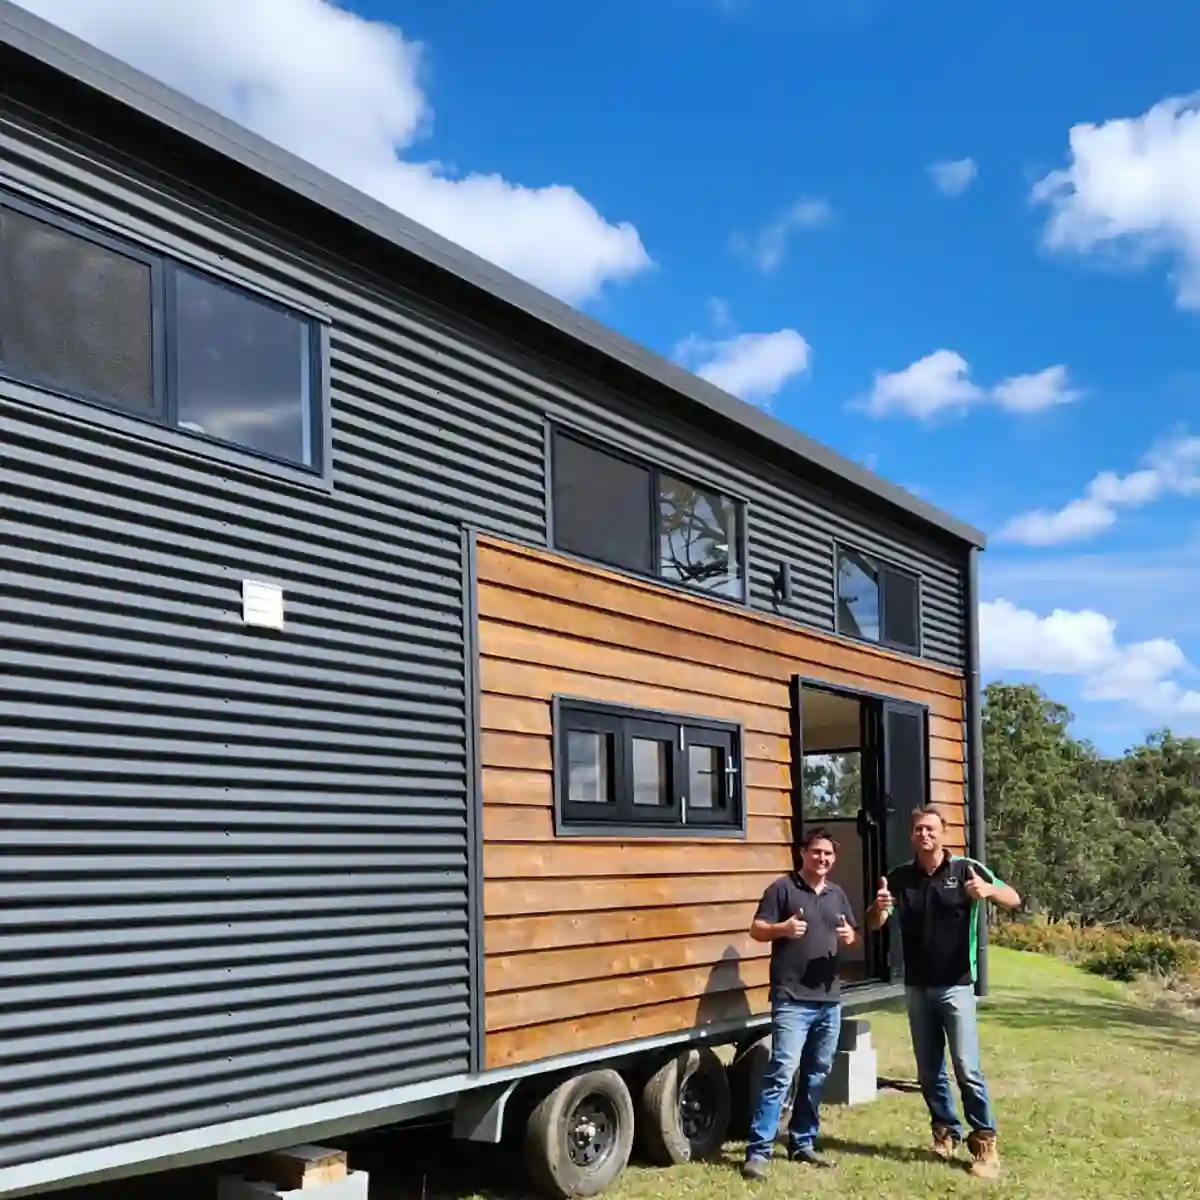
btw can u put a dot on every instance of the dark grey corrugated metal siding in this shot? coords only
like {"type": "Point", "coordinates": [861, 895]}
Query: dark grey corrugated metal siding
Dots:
{"type": "Point", "coordinates": [235, 868]}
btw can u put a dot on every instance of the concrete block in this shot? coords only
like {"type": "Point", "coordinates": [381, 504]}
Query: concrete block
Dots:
{"type": "Point", "coordinates": [234, 1187]}
{"type": "Point", "coordinates": [854, 1078]}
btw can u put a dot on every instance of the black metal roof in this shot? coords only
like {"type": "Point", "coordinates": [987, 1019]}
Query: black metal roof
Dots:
{"type": "Point", "coordinates": [525, 312]}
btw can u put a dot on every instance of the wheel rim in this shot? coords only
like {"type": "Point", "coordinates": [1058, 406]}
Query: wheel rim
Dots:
{"type": "Point", "coordinates": [697, 1108]}
{"type": "Point", "coordinates": [592, 1132]}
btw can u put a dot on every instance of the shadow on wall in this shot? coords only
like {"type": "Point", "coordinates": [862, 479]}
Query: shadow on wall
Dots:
{"type": "Point", "coordinates": [724, 996]}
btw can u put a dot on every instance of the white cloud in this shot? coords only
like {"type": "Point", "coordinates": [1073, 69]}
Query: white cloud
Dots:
{"type": "Point", "coordinates": [940, 382]}
{"type": "Point", "coordinates": [953, 177]}
{"type": "Point", "coordinates": [753, 366]}
{"type": "Point", "coordinates": [1132, 187]}
{"type": "Point", "coordinates": [1083, 644]}
{"type": "Point", "coordinates": [345, 93]}
{"type": "Point", "coordinates": [1171, 468]}
{"type": "Point", "coordinates": [767, 248]}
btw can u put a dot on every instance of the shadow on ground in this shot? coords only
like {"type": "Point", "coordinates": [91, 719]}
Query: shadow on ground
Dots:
{"type": "Point", "coordinates": [1163, 1030]}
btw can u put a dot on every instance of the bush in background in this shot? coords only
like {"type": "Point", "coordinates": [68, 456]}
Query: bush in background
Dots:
{"type": "Point", "coordinates": [1115, 952]}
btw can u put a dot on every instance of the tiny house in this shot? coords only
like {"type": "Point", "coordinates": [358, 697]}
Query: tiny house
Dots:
{"type": "Point", "coordinates": [410, 685]}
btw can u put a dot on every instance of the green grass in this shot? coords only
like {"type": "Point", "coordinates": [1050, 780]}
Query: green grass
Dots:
{"type": "Point", "coordinates": [1097, 1097]}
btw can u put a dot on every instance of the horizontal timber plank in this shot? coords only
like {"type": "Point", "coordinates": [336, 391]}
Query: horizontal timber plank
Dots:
{"type": "Point", "coordinates": [517, 1046]}
{"type": "Point", "coordinates": [947, 772]}
{"type": "Point", "coordinates": [545, 968]}
{"type": "Point", "coordinates": [947, 749]}
{"type": "Point", "coordinates": [511, 1010]}
{"type": "Point", "coordinates": [952, 795]}
{"type": "Point", "coordinates": [520, 823]}
{"type": "Point", "coordinates": [946, 728]}
{"type": "Point", "coordinates": [564, 652]}
{"type": "Point", "coordinates": [542, 574]}
{"type": "Point", "coordinates": [576, 858]}
{"type": "Point", "coordinates": [505, 678]}
{"type": "Point", "coordinates": [521, 751]}
{"type": "Point", "coordinates": [509, 714]}
{"type": "Point", "coordinates": [530, 896]}
{"type": "Point", "coordinates": [514, 935]}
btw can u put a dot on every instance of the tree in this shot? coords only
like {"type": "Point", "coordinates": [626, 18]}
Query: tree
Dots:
{"type": "Point", "coordinates": [1082, 836]}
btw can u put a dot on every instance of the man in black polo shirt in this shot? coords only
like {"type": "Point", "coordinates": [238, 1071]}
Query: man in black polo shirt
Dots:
{"type": "Point", "coordinates": [938, 895]}
{"type": "Point", "coordinates": [807, 919]}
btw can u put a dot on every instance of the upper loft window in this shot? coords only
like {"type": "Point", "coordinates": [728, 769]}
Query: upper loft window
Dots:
{"type": "Point", "coordinates": [877, 602]}
{"type": "Point", "coordinates": [90, 317]}
{"type": "Point", "coordinates": [628, 514]}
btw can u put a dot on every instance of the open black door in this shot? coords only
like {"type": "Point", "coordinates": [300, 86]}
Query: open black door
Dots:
{"type": "Point", "coordinates": [872, 821]}
{"type": "Point", "coordinates": [905, 729]}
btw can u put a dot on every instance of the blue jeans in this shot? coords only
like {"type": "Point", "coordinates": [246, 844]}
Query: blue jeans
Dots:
{"type": "Point", "coordinates": [804, 1037]}
{"type": "Point", "coordinates": [937, 1016]}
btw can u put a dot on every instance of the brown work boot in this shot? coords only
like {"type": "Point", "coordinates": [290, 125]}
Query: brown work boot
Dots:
{"type": "Point", "coordinates": [945, 1144]}
{"type": "Point", "coordinates": [985, 1158]}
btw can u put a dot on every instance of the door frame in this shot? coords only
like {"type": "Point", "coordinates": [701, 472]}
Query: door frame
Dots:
{"type": "Point", "coordinates": [883, 949]}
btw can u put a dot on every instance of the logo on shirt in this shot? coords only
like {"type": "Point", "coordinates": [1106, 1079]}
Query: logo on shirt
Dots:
{"type": "Point", "coordinates": [951, 882]}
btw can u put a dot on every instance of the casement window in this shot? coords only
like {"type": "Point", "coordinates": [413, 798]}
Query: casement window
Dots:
{"type": "Point", "coordinates": [613, 509]}
{"type": "Point", "coordinates": [877, 602]}
{"type": "Point", "coordinates": [90, 317]}
{"type": "Point", "coordinates": [620, 768]}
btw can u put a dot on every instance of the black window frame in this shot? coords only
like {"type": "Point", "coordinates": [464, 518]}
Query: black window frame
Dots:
{"type": "Point", "coordinates": [163, 415]}
{"type": "Point", "coordinates": [624, 818]}
{"type": "Point", "coordinates": [884, 570]}
{"type": "Point", "coordinates": [556, 429]}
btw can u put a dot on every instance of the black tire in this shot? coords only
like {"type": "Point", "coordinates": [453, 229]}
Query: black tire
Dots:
{"type": "Point", "coordinates": [578, 1139]}
{"type": "Point", "coordinates": [683, 1114]}
{"type": "Point", "coordinates": [745, 1078]}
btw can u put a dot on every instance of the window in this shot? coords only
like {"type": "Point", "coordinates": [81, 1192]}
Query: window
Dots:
{"type": "Point", "coordinates": [877, 602]}
{"type": "Point", "coordinates": [620, 767]}
{"type": "Point", "coordinates": [627, 514]}
{"type": "Point", "coordinates": [86, 316]}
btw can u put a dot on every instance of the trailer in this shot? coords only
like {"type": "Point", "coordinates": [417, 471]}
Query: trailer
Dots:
{"type": "Point", "coordinates": [408, 682]}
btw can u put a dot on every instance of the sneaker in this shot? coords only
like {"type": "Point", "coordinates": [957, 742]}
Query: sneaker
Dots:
{"type": "Point", "coordinates": [945, 1141]}
{"type": "Point", "coordinates": [754, 1168]}
{"type": "Point", "coordinates": [806, 1154]}
{"type": "Point", "coordinates": [985, 1158]}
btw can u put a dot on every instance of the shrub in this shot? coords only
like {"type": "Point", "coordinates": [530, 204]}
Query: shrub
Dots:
{"type": "Point", "coordinates": [1116, 953]}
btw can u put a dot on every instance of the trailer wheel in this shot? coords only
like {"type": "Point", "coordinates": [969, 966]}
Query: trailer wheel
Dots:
{"type": "Point", "coordinates": [684, 1111]}
{"type": "Point", "coordinates": [745, 1078]}
{"type": "Point", "coordinates": [579, 1137]}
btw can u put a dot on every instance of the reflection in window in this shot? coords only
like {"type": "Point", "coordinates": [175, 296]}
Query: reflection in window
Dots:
{"type": "Point", "coordinates": [832, 784]}
{"type": "Point", "coordinates": [857, 596]}
{"type": "Point", "coordinates": [698, 537]}
{"type": "Point", "coordinates": [242, 370]}
{"type": "Point", "coordinates": [613, 509]}
{"type": "Point", "coordinates": [651, 772]}
{"type": "Point", "coordinates": [589, 767]}
{"type": "Point", "coordinates": [704, 776]}
{"type": "Point", "coordinates": [74, 314]}
{"type": "Point", "coordinates": [878, 602]}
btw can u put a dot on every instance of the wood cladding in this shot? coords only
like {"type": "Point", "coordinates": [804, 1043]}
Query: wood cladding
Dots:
{"type": "Point", "coordinates": [592, 941]}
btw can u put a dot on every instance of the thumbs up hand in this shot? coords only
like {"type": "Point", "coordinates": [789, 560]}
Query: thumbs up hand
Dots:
{"type": "Point", "coordinates": [976, 888]}
{"type": "Point", "coordinates": [845, 934]}
{"type": "Point", "coordinates": [883, 897]}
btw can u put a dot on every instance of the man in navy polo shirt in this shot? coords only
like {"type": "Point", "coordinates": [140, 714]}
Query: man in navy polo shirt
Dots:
{"type": "Point", "coordinates": [938, 896]}
{"type": "Point", "coordinates": [807, 919]}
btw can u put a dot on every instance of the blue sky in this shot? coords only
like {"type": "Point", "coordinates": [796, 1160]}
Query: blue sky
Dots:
{"type": "Point", "coordinates": [752, 187]}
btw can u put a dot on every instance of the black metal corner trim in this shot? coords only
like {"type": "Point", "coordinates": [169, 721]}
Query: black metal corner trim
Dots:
{"type": "Point", "coordinates": [475, 914]}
